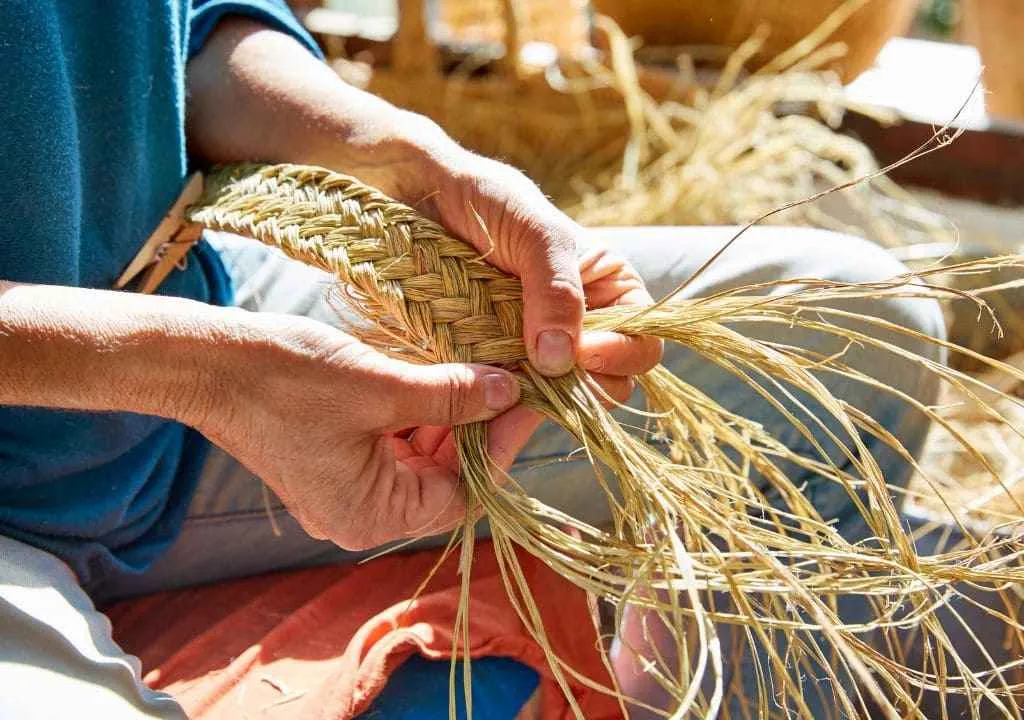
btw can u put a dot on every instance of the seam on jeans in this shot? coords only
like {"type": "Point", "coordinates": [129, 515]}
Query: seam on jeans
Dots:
{"type": "Point", "coordinates": [234, 516]}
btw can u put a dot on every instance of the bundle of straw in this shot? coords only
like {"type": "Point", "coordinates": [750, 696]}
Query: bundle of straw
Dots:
{"type": "Point", "coordinates": [727, 565]}
{"type": "Point", "coordinates": [741, 147]}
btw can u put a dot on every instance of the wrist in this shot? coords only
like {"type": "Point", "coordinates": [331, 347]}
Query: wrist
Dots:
{"type": "Point", "coordinates": [226, 362]}
{"type": "Point", "coordinates": [402, 154]}
{"type": "Point", "coordinates": [204, 363]}
{"type": "Point", "coordinates": [97, 350]}
{"type": "Point", "coordinates": [180, 359]}
{"type": "Point", "coordinates": [248, 363]}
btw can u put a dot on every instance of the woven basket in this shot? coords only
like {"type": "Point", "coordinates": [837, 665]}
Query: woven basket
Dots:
{"type": "Point", "coordinates": [729, 22]}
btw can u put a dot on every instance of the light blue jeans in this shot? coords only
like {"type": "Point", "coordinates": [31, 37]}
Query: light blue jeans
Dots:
{"type": "Point", "coordinates": [236, 528]}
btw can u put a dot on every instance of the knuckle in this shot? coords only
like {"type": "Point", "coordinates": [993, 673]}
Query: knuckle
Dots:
{"type": "Point", "coordinates": [655, 351]}
{"type": "Point", "coordinates": [500, 176]}
{"type": "Point", "coordinates": [561, 239]}
{"type": "Point", "coordinates": [511, 175]}
{"type": "Point", "coordinates": [455, 395]}
{"type": "Point", "coordinates": [565, 293]}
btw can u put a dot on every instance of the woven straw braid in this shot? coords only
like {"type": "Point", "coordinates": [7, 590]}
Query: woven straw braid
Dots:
{"type": "Point", "coordinates": [433, 292]}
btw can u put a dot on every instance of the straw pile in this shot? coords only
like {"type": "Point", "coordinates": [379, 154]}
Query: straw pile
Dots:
{"type": "Point", "coordinates": [746, 145]}
{"type": "Point", "coordinates": [617, 143]}
{"type": "Point", "coordinates": [967, 490]}
{"type": "Point", "coordinates": [724, 563]}
{"type": "Point", "coordinates": [965, 480]}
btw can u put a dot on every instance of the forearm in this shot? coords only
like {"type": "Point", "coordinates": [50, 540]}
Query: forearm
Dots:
{"type": "Point", "coordinates": [257, 94]}
{"type": "Point", "coordinates": [74, 348]}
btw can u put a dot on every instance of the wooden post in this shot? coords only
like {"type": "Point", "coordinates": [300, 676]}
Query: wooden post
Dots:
{"type": "Point", "coordinates": [996, 27]}
{"type": "Point", "coordinates": [414, 49]}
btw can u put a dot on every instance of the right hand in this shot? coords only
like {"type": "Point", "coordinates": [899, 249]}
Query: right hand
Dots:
{"type": "Point", "coordinates": [356, 444]}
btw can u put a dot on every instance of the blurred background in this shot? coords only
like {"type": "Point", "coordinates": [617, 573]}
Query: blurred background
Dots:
{"type": "Point", "coordinates": [991, 26]}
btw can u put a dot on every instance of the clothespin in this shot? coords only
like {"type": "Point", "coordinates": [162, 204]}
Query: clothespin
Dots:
{"type": "Point", "coordinates": [167, 246]}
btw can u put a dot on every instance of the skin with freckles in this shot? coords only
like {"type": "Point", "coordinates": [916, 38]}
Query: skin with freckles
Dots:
{"type": "Point", "coordinates": [358, 445]}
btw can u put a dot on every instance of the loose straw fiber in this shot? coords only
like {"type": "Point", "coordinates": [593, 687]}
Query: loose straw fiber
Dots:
{"type": "Point", "coordinates": [708, 533]}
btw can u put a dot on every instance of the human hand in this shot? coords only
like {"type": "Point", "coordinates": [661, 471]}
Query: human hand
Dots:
{"type": "Point", "coordinates": [358, 445]}
{"type": "Point", "coordinates": [507, 218]}
{"type": "Point", "coordinates": [256, 93]}
{"type": "Point", "coordinates": [610, 358]}
{"type": "Point", "coordinates": [348, 438]}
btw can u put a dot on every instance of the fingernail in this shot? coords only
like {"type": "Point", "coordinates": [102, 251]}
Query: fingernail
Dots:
{"type": "Point", "coordinates": [554, 352]}
{"type": "Point", "coordinates": [500, 391]}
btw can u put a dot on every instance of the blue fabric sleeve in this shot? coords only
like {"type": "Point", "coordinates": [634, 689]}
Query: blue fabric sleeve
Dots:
{"type": "Point", "coordinates": [275, 14]}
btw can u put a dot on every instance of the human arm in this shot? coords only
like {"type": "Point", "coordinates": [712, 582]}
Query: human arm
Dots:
{"type": "Point", "coordinates": [258, 94]}
{"type": "Point", "coordinates": [309, 409]}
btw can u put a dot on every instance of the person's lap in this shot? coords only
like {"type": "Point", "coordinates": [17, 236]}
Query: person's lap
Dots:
{"type": "Point", "coordinates": [236, 527]}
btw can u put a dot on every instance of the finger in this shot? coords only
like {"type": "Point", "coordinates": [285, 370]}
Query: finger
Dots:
{"type": "Point", "coordinates": [427, 498]}
{"type": "Point", "coordinates": [608, 279]}
{"type": "Point", "coordinates": [427, 440]}
{"type": "Point", "coordinates": [612, 353]}
{"type": "Point", "coordinates": [599, 262]}
{"type": "Point", "coordinates": [412, 497]}
{"type": "Point", "coordinates": [616, 291]}
{"type": "Point", "coordinates": [553, 300]}
{"type": "Point", "coordinates": [615, 389]}
{"type": "Point", "coordinates": [508, 434]}
{"type": "Point", "coordinates": [402, 448]}
{"type": "Point", "coordinates": [444, 395]}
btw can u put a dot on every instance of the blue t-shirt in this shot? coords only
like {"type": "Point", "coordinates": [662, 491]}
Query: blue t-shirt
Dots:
{"type": "Point", "coordinates": [92, 154]}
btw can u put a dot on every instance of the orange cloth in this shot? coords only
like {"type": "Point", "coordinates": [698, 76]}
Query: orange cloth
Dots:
{"type": "Point", "coordinates": [320, 644]}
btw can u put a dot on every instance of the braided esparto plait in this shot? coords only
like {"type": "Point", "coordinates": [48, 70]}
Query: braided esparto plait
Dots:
{"type": "Point", "coordinates": [405, 270]}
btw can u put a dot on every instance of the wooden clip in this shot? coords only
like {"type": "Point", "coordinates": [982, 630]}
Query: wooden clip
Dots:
{"type": "Point", "coordinates": [167, 246]}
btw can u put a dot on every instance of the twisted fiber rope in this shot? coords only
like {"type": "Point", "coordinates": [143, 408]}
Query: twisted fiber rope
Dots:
{"type": "Point", "coordinates": [431, 290]}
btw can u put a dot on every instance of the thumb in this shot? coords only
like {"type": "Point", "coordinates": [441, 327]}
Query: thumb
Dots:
{"type": "Point", "coordinates": [446, 395]}
{"type": "Point", "coordinates": [553, 300]}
